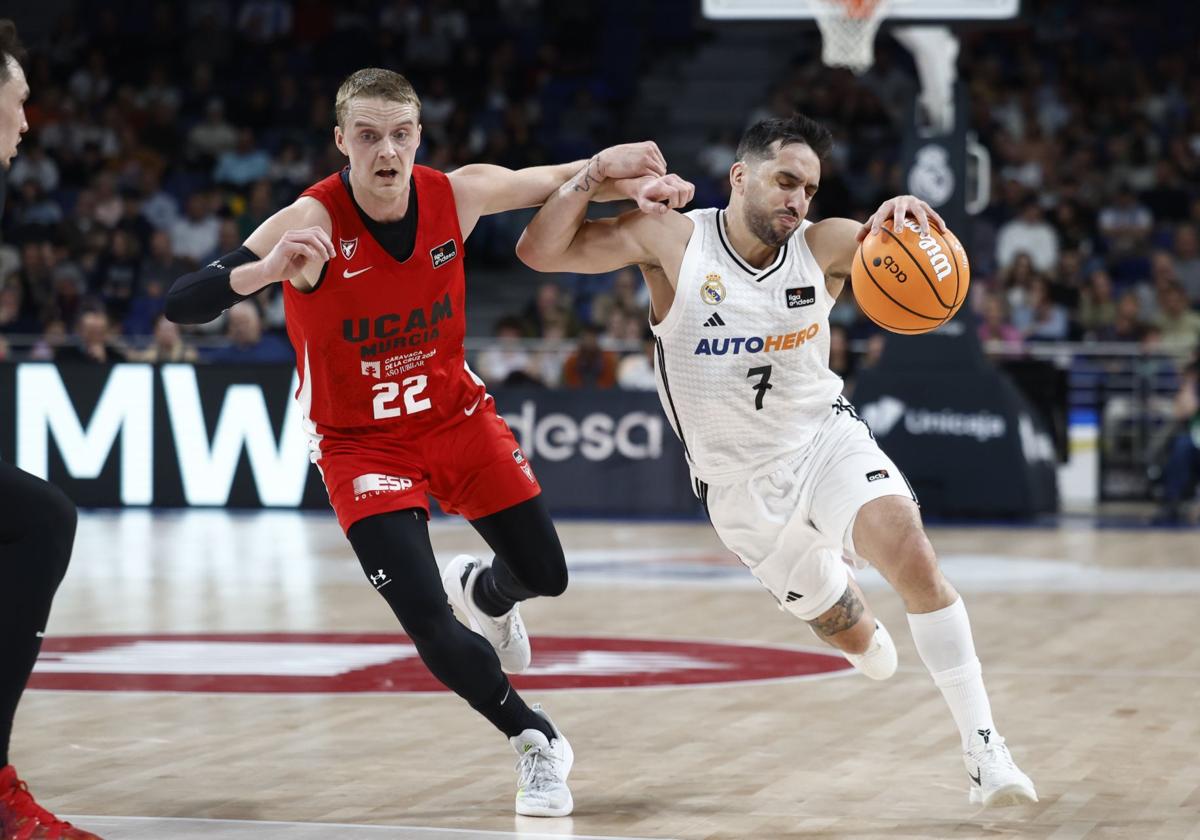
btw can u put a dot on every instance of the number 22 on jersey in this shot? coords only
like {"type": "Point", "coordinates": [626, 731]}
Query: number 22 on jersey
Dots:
{"type": "Point", "coordinates": [387, 392]}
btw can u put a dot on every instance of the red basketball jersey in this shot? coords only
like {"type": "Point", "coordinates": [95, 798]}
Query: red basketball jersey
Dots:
{"type": "Point", "coordinates": [380, 341]}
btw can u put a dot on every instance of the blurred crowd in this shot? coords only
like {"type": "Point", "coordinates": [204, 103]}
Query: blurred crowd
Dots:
{"type": "Point", "coordinates": [1091, 114]}
{"type": "Point", "coordinates": [163, 134]}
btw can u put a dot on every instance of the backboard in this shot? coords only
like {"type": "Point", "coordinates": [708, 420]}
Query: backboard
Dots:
{"type": "Point", "coordinates": [907, 10]}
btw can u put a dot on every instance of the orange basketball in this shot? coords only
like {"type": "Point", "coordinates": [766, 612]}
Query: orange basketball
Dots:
{"type": "Point", "coordinates": [910, 283]}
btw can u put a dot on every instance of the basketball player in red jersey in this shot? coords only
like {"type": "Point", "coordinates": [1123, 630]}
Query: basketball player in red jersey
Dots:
{"type": "Point", "coordinates": [372, 264]}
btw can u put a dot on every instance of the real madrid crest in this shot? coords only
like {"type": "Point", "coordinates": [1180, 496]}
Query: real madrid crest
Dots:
{"type": "Point", "coordinates": [713, 290]}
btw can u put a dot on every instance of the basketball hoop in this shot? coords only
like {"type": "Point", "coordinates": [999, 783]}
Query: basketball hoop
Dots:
{"type": "Point", "coordinates": [848, 30]}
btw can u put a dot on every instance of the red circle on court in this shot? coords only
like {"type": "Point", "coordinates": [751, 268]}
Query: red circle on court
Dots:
{"type": "Point", "coordinates": [388, 662]}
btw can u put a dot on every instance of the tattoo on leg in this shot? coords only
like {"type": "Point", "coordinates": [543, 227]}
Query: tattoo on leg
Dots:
{"type": "Point", "coordinates": [841, 616]}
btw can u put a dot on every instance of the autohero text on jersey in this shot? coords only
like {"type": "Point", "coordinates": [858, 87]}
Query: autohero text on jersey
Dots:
{"type": "Point", "coordinates": [756, 344]}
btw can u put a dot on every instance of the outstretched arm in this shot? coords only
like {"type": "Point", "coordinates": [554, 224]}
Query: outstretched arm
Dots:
{"type": "Point", "coordinates": [481, 189]}
{"type": "Point", "coordinates": [296, 244]}
{"type": "Point", "coordinates": [561, 238]}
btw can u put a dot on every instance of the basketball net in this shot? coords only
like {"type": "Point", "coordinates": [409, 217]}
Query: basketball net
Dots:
{"type": "Point", "coordinates": [848, 30]}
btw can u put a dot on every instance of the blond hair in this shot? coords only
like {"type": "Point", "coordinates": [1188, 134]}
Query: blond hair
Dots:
{"type": "Point", "coordinates": [377, 83]}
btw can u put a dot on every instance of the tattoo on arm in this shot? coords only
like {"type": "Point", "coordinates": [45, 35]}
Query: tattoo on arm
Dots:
{"type": "Point", "coordinates": [590, 176]}
{"type": "Point", "coordinates": [841, 616]}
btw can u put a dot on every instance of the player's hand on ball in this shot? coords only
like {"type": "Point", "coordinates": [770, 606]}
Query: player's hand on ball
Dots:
{"type": "Point", "coordinates": [295, 250]}
{"type": "Point", "coordinates": [669, 192]}
{"type": "Point", "coordinates": [897, 208]}
{"type": "Point", "coordinates": [632, 160]}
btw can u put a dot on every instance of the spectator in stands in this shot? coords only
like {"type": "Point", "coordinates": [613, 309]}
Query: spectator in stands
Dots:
{"type": "Point", "coordinates": [590, 366]}
{"type": "Point", "coordinates": [259, 207]}
{"type": "Point", "coordinates": [195, 235]}
{"type": "Point", "coordinates": [228, 240]}
{"type": "Point", "coordinates": [1029, 233]}
{"type": "Point", "coordinates": [995, 324]}
{"type": "Point", "coordinates": [552, 356]}
{"type": "Point", "coordinates": [93, 342]}
{"type": "Point", "coordinates": [1182, 469]}
{"type": "Point", "coordinates": [33, 164]}
{"type": "Point", "coordinates": [54, 338]}
{"type": "Point", "coordinates": [247, 342]}
{"type": "Point", "coordinates": [243, 164]}
{"type": "Point", "coordinates": [117, 273]}
{"type": "Point", "coordinates": [1127, 325]}
{"type": "Point", "coordinates": [622, 297]}
{"type": "Point", "coordinates": [159, 207]}
{"type": "Point", "coordinates": [14, 317]}
{"type": "Point", "coordinates": [68, 287]}
{"type": "Point", "coordinates": [213, 136]}
{"type": "Point", "coordinates": [1187, 261]}
{"type": "Point", "coordinates": [1097, 308]}
{"type": "Point", "coordinates": [506, 362]}
{"type": "Point", "coordinates": [1047, 320]}
{"type": "Point", "coordinates": [160, 266]}
{"type": "Point", "coordinates": [635, 372]}
{"type": "Point", "coordinates": [1018, 282]}
{"type": "Point", "coordinates": [168, 345]}
{"type": "Point", "coordinates": [549, 309]}
{"type": "Point", "coordinates": [1125, 224]}
{"type": "Point", "coordinates": [291, 170]}
{"type": "Point", "coordinates": [36, 209]}
{"type": "Point", "coordinates": [1178, 323]}
{"type": "Point", "coordinates": [623, 327]}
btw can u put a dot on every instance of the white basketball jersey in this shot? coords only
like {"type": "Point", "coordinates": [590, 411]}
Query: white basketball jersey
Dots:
{"type": "Point", "coordinates": [743, 354]}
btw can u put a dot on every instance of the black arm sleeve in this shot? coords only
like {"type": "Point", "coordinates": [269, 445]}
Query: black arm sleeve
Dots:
{"type": "Point", "coordinates": [201, 296]}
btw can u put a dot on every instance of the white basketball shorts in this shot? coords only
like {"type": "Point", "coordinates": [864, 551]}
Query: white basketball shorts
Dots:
{"type": "Point", "coordinates": [791, 522]}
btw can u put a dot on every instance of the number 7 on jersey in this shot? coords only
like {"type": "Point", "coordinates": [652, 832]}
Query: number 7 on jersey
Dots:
{"type": "Point", "coordinates": [762, 386]}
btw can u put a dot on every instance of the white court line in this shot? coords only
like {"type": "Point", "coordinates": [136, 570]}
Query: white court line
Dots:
{"type": "Point", "coordinates": [183, 828]}
{"type": "Point", "coordinates": [1099, 673]}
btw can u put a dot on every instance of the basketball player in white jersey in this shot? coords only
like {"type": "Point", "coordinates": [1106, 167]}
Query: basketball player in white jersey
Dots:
{"type": "Point", "coordinates": [791, 478]}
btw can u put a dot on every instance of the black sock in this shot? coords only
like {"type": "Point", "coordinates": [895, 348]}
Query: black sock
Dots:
{"type": "Point", "coordinates": [508, 713]}
{"type": "Point", "coordinates": [488, 594]}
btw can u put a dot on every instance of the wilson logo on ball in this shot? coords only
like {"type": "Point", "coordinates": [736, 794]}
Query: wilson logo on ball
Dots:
{"type": "Point", "coordinates": [910, 282]}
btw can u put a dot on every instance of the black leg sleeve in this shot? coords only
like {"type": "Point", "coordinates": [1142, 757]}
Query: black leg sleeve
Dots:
{"type": "Point", "coordinates": [529, 557]}
{"type": "Point", "coordinates": [37, 530]}
{"type": "Point", "coordinates": [396, 554]}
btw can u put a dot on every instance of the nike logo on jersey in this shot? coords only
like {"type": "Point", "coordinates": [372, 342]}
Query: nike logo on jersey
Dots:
{"type": "Point", "coordinates": [714, 321]}
{"type": "Point", "coordinates": [348, 273]}
{"type": "Point", "coordinates": [471, 410]}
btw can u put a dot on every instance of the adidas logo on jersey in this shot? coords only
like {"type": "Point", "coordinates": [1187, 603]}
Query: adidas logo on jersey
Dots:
{"type": "Point", "coordinates": [714, 321]}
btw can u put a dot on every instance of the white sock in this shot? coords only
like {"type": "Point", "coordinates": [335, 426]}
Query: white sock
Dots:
{"type": "Point", "coordinates": [944, 642]}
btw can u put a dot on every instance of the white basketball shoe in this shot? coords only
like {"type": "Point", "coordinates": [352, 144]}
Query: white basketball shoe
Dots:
{"type": "Point", "coordinates": [995, 778]}
{"type": "Point", "coordinates": [505, 633]}
{"type": "Point", "coordinates": [879, 660]}
{"type": "Point", "coordinates": [542, 771]}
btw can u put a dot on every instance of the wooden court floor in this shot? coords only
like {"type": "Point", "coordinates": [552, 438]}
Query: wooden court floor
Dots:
{"type": "Point", "coordinates": [1087, 637]}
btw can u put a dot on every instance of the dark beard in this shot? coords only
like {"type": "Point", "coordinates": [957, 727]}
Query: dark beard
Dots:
{"type": "Point", "coordinates": [761, 226]}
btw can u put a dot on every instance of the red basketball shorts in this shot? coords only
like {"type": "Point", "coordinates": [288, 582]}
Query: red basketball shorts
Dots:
{"type": "Point", "coordinates": [473, 468]}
